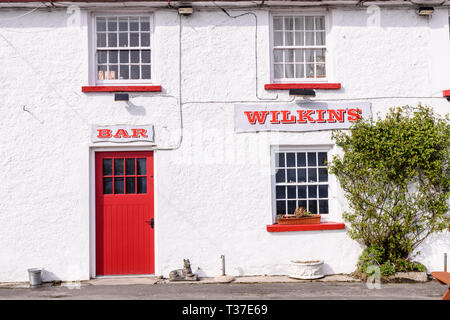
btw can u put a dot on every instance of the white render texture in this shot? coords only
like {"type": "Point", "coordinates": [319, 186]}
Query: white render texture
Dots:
{"type": "Point", "coordinates": [213, 194]}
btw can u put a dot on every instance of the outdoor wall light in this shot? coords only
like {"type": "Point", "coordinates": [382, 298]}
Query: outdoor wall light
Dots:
{"type": "Point", "coordinates": [185, 10]}
{"type": "Point", "coordinates": [302, 92]}
{"type": "Point", "coordinates": [425, 11]}
{"type": "Point", "coordinates": [121, 97]}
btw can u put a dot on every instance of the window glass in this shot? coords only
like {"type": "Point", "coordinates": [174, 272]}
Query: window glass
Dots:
{"type": "Point", "coordinates": [116, 36]}
{"type": "Point", "coordinates": [301, 180]}
{"type": "Point", "coordinates": [299, 44]}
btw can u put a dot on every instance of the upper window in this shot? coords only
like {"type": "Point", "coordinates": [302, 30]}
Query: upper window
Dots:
{"type": "Point", "coordinates": [122, 49]}
{"type": "Point", "coordinates": [300, 180]}
{"type": "Point", "coordinates": [298, 45]}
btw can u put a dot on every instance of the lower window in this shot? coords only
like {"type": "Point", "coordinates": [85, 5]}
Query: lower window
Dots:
{"type": "Point", "coordinates": [300, 180]}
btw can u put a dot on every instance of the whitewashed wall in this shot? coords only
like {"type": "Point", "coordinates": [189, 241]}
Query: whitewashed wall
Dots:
{"type": "Point", "coordinates": [213, 195]}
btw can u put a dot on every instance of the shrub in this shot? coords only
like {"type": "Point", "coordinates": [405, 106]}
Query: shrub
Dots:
{"type": "Point", "coordinates": [395, 174]}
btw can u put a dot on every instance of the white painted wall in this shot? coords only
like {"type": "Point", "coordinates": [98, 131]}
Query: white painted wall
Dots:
{"type": "Point", "coordinates": [213, 195]}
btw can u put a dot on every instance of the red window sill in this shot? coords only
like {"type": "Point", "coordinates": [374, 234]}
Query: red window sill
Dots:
{"type": "Point", "coordinates": [305, 227]}
{"type": "Point", "coordinates": [121, 89]}
{"type": "Point", "coordinates": [287, 86]}
{"type": "Point", "coordinates": [446, 93]}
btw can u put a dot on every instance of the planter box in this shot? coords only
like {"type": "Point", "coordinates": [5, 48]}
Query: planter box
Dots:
{"type": "Point", "coordinates": [306, 269]}
{"type": "Point", "coordinates": [304, 220]}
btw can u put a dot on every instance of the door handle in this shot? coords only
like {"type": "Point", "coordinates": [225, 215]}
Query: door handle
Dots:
{"type": "Point", "coordinates": [152, 222]}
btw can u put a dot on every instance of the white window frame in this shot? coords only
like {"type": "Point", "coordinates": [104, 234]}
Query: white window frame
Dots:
{"type": "Point", "coordinates": [300, 148]}
{"type": "Point", "coordinates": [328, 67]}
{"type": "Point", "coordinates": [93, 49]}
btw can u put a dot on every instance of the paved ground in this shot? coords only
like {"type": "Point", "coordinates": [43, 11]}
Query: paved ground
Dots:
{"type": "Point", "coordinates": [223, 291]}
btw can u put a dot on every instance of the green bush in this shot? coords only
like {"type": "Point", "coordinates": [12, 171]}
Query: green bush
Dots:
{"type": "Point", "coordinates": [395, 174]}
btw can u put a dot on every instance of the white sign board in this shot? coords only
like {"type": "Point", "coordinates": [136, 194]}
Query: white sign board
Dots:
{"type": "Point", "coordinates": [302, 116]}
{"type": "Point", "coordinates": [122, 133]}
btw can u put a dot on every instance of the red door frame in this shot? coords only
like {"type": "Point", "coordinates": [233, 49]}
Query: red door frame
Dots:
{"type": "Point", "coordinates": [124, 237]}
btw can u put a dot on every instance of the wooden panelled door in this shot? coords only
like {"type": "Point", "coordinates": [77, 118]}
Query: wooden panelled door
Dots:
{"type": "Point", "coordinates": [124, 218]}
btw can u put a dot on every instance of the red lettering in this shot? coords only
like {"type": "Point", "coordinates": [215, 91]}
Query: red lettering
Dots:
{"type": "Point", "coordinates": [121, 133]}
{"type": "Point", "coordinates": [104, 133]}
{"type": "Point", "coordinates": [354, 114]}
{"type": "Point", "coordinates": [336, 115]}
{"type": "Point", "coordinates": [274, 117]}
{"type": "Point", "coordinates": [254, 116]}
{"type": "Point", "coordinates": [286, 118]}
{"type": "Point", "coordinates": [139, 132]}
{"type": "Point", "coordinates": [320, 114]}
{"type": "Point", "coordinates": [305, 114]}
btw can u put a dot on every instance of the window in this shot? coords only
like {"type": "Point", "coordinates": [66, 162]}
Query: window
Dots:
{"type": "Point", "coordinates": [300, 180]}
{"type": "Point", "coordinates": [124, 175]}
{"type": "Point", "coordinates": [122, 49]}
{"type": "Point", "coordinates": [298, 44]}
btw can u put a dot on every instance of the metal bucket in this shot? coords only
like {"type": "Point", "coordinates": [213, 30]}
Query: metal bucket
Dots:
{"type": "Point", "coordinates": [35, 277]}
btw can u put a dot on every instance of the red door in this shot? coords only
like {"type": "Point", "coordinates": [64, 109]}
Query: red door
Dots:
{"type": "Point", "coordinates": [124, 220]}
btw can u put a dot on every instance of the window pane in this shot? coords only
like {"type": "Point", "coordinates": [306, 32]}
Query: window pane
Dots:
{"type": "Point", "coordinates": [130, 167]}
{"type": "Point", "coordinates": [142, 185]}
{"type": "Point", "coordinates": [278, 38]}
{"type": "Point", "coordinates": [124, 72]}
{"type": "Point", "coordinates": [107, 167]}
{"type": "Point", "coordinates": [320, 70]}
{"type": "Point", "coordinates": [102, 72]}
{"type": "Point", "coordinates": [309, 38]}
{"type": "Point", "coordinates": [288, 23]}
{"type": "Point", "coordinates": [299, 23]}
{"type": "Point", "coordinates": [101, 24]}
{"type": "Point", "coordinates": [135, 72]}
{"type": "Point", "coordinates": [118, 185]}
{"type": "Point", "coordinates": [123, 39]}
{"type": "Point", "coordinates": [107, 186]}
{"type": "Point", "coordinates": [134, 39]}
{"type": "Point", "coordinates": [323, 175]}
{"type": "Point", "coordinates": [310, 70]}
{"type": "Point", "coordinates": [113, 56]}
{"type": "Point", "coordinates": [291, 192]}
{"type": "Point", "coordinates": [145, 24]}
{"type": "Point", "coordinates": [124, 56]}
{"type": "Point", "coordinates": [280, 160]}
{"type": "Point", "coordinates": [292, 205]}
{"type": "Point", "coordinates": [112, 24]}
{"type": "Point", "coordinates": [323, 206]}
{"type": "Point", "coordinates": [289, 70]}
{"type": "Point", "coordinates": [123, 24]}
{"type": "Point", "coordinates": [145, 56]}
{"type": "Point", "coordinates": [277, 23]}
{"type": "Point", "coordinates": [301, 175]}
{"type": "Point", "coordinates": [312, 159]}
{"type": "Point", "coordinates": [134, 24]}
{"type": "Point", "coordinates": [299, 55]}
{"type": "Point", "coordinates": [134, 56]}
{"type": "Point", "coordinates": [322, 157]}
{"type": "Point", "coordinates": [312, 206]}
{"type": "Point", "coordinates": [118, 167]}
{"type": "Point", "coordinates": [141, 166]}
{"type": "Point", "coordinates": [278, 55]}
{"type": "Point", "coordinates": [289, 38]}
{"type": "Point", "coordinates": [301, 159]}
{"type": "Point", "coordinates": [113, 72]}
{"type": "Point", "coordinates": [280, 176]}
{"type": "Point", "coordinates": [102, 56]}
{"type": "Point", "coordinates": [312, 175]}
{"type": "Point", "coordinates": [145, 72]}
{"type": "Point", "coordinates": [281, 207]}
{"type": "Point", "coordinates": [300, 71]}
{"type": "Point", "coordinates": [145, 39]}
{"type": "Point", "coordinates": [320, 23]}
{"type": "Point", "coordinates": [289, 55]}
{"type": "Point", "coordinates": [323, 191]}
{"type": "Point", "coordinates": [309, 55]}
{"type": "Point", "coordinates": [320, 38]}
{"type": "Point", "coordinates": [302, 203]}
{"type": "Point", "coordinates": [312, 191]}
{"type": "Point", "coordinates": [291, 175]}
{"type": "Point", "coordinates": [112, 40]}
{"type": "Point", "coordinates": [131, 184]}
{"type": "Point", "coordinates": [309, 23]}
{"type": "Point", "coordinates": [278, 71]}
{"type": "Point", "coordinates": [301, 192]}
{"type": "Point", "coordinates": [290, 159]}
{"type": "Point", "coordinates": [281, 192]}
{"type": "Point", "coordinates": [101, 40]}
{"type": "Point", "coordinates": [299, 38]}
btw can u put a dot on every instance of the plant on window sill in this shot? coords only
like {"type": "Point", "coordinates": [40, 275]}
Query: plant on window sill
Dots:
{"type": "Point", "coordinates": [300, 216]}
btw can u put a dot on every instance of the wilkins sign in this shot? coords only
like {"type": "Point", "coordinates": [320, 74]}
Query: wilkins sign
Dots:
{"type": "Point", "coordinates": [304, 116]}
